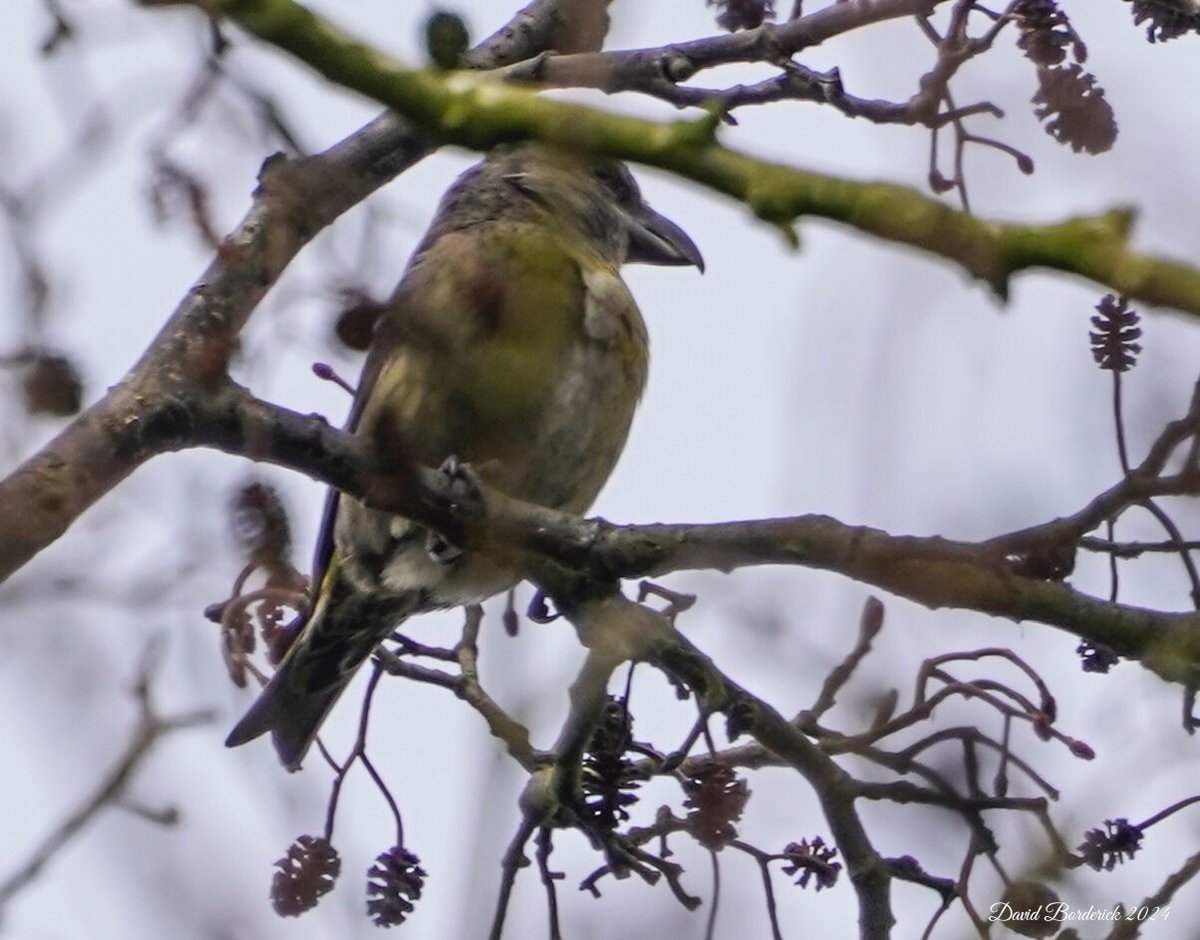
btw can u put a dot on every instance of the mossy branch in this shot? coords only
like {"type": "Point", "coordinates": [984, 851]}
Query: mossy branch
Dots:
{"type": "Point", "coordinates": [473, 111]}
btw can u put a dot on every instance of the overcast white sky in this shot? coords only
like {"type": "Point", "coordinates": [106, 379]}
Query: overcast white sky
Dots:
{"type": "Point", "coordinates": [852, 378]}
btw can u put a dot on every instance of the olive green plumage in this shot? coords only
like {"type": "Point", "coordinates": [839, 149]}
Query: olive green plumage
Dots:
{"type": "Point", "coordinates": [511, 344]}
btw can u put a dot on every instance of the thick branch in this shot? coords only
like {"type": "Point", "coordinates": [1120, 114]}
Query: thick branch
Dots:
{"type": "Point", "coordinates": [571, 556]}
{"type": "Point", "coordinates": [568, 555]}
{"type": "Point", "coordinates": [151, 409]}
{"type": "Point", "coordinates": [479, 113]}
{"type": "Point", "coordinates": [933, 571]}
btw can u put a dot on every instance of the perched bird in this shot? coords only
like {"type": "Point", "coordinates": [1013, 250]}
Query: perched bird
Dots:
{"type": "Point", "coordinates": [511, 344]}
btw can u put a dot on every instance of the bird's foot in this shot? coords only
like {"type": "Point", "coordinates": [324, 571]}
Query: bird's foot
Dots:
{"type": "Point", "coordinates": [441, 551]}
{"type": "Point", "coordinates": [463, 487]}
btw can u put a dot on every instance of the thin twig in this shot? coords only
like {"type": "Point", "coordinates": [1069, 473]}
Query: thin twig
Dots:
{"type": "Point", "coordinates": [112, 789]}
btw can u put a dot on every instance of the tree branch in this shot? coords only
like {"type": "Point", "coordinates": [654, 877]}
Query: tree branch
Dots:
{"type": "Point", "coordinates": [178, 396]}
{"type": "Point", "coordinates": [568, 556]}
{"type": "Point", "coordinates": [150, 410]}
{"type": "Point", "coordinates": [478, 112]}
{"type": "Point", "coordinates": [617, 628]}
{"type": "Point", "coordinates": [151, 727]}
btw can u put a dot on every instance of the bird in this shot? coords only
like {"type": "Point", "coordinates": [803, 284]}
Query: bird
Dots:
{"type": "Point", "coordinates": [511, 346]}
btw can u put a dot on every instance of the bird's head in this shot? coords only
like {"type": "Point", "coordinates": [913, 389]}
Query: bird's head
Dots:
{"type": "Point", "coordinates": [595, 198]}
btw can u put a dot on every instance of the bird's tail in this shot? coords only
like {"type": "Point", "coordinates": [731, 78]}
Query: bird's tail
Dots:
{"type": "Point", "coordinates": [342, 631]}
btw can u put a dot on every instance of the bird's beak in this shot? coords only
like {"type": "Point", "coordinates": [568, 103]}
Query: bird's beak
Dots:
{"type": "Point", "coordinates": [655, 239]}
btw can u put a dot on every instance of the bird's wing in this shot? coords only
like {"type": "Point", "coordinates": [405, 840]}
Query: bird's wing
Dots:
{"type": "Point", "coordinates": [479, 308]}
{"type": "Point", "coordinates": [323, 553]}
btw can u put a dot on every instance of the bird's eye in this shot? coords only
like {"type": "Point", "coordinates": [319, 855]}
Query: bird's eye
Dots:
{"type": "Point", "coordinates": [616, 179]}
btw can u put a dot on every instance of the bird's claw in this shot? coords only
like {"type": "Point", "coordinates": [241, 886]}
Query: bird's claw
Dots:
{"type": "Point", "coordinates": [463, 488]}
{"type": "Point", "coordinates": [441, 551]}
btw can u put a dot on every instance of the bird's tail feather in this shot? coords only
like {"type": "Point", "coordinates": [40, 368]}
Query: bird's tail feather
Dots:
{"type": "Point", "coordinates": [293, 718]}
{"type": "Point", "coordinates": [343, 630]}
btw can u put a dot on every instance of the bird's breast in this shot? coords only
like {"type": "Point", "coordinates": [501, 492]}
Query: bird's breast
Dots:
{"type": "Point", "coordinates": [521, 355]}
